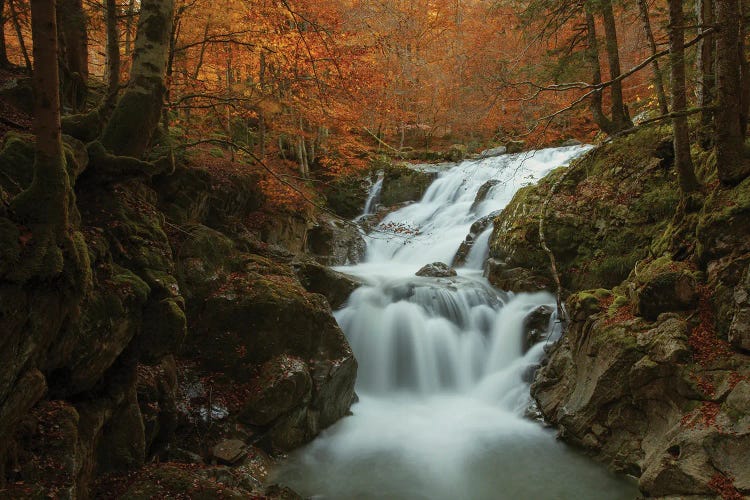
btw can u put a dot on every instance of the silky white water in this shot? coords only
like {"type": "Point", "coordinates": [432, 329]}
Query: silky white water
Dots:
{"type": "Point", "coordinates": [443, 376]}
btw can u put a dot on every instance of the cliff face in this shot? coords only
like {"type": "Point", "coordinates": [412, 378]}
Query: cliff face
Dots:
{"type": "Point", "coordinates": [652, 374]}
{"type": "Point", "coordinates": [168, 329]}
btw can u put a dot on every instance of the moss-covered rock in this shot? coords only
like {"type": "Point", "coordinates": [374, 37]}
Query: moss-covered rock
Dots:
{"type": "Point", "coordinates": [663, 285]}
{"type": "Point", "coordinates": [602, 220]}
{"type": "Point", "coordinates": [402, 183]}
{"type": "Point", "coordinates": [346, 196]}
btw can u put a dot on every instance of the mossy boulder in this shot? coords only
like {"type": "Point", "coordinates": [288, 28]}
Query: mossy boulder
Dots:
{"type": "Point", "coordinates": [260, 314]}
{"type": "Point", "coordinates": [284, 383]}
{"type": "Point", "coordinates": [336, 287]}
{"type": "Point", "coordinates": [156, 390]}
{"type": "Point", "coordinates": [346, 196]}
{"type": "Point", "coordinates": [334, 243]}
{"type": "Point", "coordinates": [663, 285]}
{"type": "Point", "coordinates": [403, 183]}
{"type": "Point", "coordinates": [605, 215]}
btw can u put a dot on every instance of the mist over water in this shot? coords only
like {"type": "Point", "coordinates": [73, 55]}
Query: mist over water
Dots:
{"type": "Point", "coordinates": [443, 376]}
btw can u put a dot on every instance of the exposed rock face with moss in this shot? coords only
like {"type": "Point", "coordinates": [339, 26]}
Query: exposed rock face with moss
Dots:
{"type": "Point", "coordinates": [160, 317]}
{"type": "Point", "coordinates": [403, 183]}
{"type": "Point", "coordinates": [601, 222]}
{"type": "Point", "coordinates": [651, 376]}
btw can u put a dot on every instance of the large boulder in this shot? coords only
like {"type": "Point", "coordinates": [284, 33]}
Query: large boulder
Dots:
{"type": "Point", "coordinates": [489, 153]}
{"type": "Point", "coordinates": [335, 242]}
{"type": "Point", "coordinates": [261, 318]}
{"type": "Point", "coordinates": [336, 287]}
{"type": "Point", "coordinates": [402, 183]}
{"type": "Point", "coordinates": [663, 286]}
{"type": "Point", "coordinates": [596, 237]}
{"type": "Point", "coordinates": [631, 392]}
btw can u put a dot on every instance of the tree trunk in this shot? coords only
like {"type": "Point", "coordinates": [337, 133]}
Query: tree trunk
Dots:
{"type": "Point", "coordinates": [43, 207]}
{"type": "Point", "coordinates": [19, 34]}
{"type": "Point", "coordinates": [113, 50]}
{"type": "Point", "coordinates": [683, 161]}
{"type": "Point", "coordinates": [729, 138]}
{"type": "Point", "coordinates": [661, 95]}
{"type": "Point", "coordinates": [137, 114]}
{"type": "Point", "coordinates": [592, 54]}
{"type": "Point", "coordinates": [620, 119]}
{"type": "Point", "coordinates": [4, 62]}
{"type": "Point", "coordinates": [744, 67]}
{"type": "Point", "coordinates": [705, 62]}
{"type": "Point", "coordinates": [74, 51]}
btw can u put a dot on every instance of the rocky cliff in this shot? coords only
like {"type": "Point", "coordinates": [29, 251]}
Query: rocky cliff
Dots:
{"type": "Point", "coordinates": [174, 330]}
{"type": "Point", "coordinates": [652, 374]}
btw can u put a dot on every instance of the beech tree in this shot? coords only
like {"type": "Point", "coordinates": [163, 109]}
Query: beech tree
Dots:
{"type": "Point", "coordinates": [74, 52]}
{"type": "Point", "coordinates": [43, 206]}
{"type": "Point", "coordinates": [683, 161]}
{"type": "Point", "coordinates": [136, 116]}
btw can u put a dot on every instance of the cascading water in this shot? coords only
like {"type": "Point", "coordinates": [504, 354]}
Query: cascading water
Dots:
{"type": "Point", "coordinates": [374, 195]}
{"type": "Point", "coordinates": [443, 376]}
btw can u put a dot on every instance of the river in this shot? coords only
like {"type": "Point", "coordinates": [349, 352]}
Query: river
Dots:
{"type": "Point", "coordinates": [443, 385]}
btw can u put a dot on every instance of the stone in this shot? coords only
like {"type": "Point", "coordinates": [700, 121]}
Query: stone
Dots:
{"type": "Point", "coordinates": [336, 287]}
{"type": "Point", "coordinates": [664, 286]}
{"type": "Point", "coordinates": [536, 326]}
{"type": "Point", "coordinates": [229, 451]}
{"type": "Point", "coordinates": [402, 184]}
{"type": "Point", "coordinates": [334, 242]}
{"type": "Point", "coordinates": [476, 229]}
{"type": "Point", "coordinates": [739, 329]}
{"type": "Point", "coordinates": [570, 143]}
{"type": "Point", "coordinates": [284, 383]}
{"type": "Point", "coordinates": [492, 152]}
{"type": "Point", "coordinates": [437, 270]}
{"type": "Point", "coordinates": [484, 190]}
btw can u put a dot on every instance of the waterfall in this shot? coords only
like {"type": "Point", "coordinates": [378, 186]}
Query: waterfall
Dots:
{"type": "Point", "coordinates": [443, 376]}
{"type": "Point", "coordinates": [373, 198]}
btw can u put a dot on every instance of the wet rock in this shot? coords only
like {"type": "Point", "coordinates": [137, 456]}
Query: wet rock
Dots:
{"type": "Point", "coordinates": [536, 326]}
{"type": "Point", "coordinates": [335, 243]}
{"type": "Point", "coordinates": [264, 316]}
{"type": "Point", "coordinates": [437, 270]}
{"type": "Point", "coordinates": [229, 451]}
{"type": "Point", "coordinates": [476, 229]}
{"type": "Point", "coordinates": [402, 184]}
{"type": "Point", "coordinates": [628, 391]}
{"type": "Point", "coordinates": [283, 384]}
{"type": "Point", "coordinates": [515, 279]}
{"type": "Point", "coordinates": [484, 190]}
{"type": "Point", "coordinates": [336, 287]}
{"type": "Point", "coordinates": [571, 143]}
{"type": "Point", "coordinates": [489, 153]}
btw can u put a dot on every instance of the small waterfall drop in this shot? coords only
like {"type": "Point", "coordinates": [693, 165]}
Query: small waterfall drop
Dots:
{"type": "Point", "coordinates": [443, 376]}
{"type": "Point", "coordinates": [373, 197]}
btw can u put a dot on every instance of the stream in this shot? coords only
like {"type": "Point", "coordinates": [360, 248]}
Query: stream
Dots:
{"type": "Point", "coordinates": [444, 377]}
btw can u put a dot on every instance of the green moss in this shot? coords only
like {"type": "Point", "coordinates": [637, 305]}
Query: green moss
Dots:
{"type": "Point", "coordinates": [17, 163]}
{"type": "Point", "coordinates": [85, 127]}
